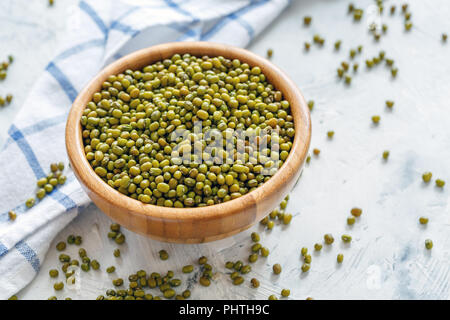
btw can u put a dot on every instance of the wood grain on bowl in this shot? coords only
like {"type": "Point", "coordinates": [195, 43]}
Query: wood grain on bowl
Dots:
{"type": "Point", "coordinates": [190, 225]}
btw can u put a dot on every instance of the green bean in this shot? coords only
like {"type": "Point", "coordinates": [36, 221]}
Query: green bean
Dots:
{"type": "Point", "coordinates": [12, 215]}
{"type": "Point", "coordinates": [114, 227]}
{"type": "Point", "coordinates": [392, 9]}
{"type": "Point", "coordinates": [202, 260]}
{"type": "Point", "coordinates": [276, 268]}
{"type": "Point", "coordinates": [318, 39]}
{"type": "Point", "coordinates": [389, 104]}
{"type": "Point", "coordinates": [337, 44]}
{"type": "Point", "coordinates": [238, 265]}
{"type": "Point", "coordinates": [328, 238]}
{"type": "Point", "coordinates": [78, 240]}
{"type": "Point", "coordinates": [120, 238]}
{"type": "Point", "coordinates": [163, 255]}
{"type": "Point", "coordinates": [95, 264]}
{"type": "Point", "coordinates": [238, 280]}
{"type": "Point", "coordinates": [423, 220]}
{"type": "Point", "coordinates": [117, 282]}
{"type": "Point", "coordinates": [394, 72]}
{"type": "Point", "coordinates": [440, 183]}
{"type": "Point", "coordinates": [60, 246]}
{"type": "Point", "coordinates": [256, 247]}
{"type": "Point", "coordinates": [53, 273]}
{"type": "Point", "coordinates": [427, 177]}
{"type": "Point", "coordinates": [169, 293]}
{"type": "Point", "coordinates": [58, 286]}
{"type": "Point", "coordinates": [71, 239]}
{"type": "Point", "coordinates": [112, 235]}
{"type": "Point", "coordinates": [307, 20]}
{"type": "Point", "coordinates": [287, 217]}
{"type": "Point", "coordinates": [186, 294]}
{"type": "Point", "coordinates": [376, 119]}
{"type": "Point", "coordinates": [205, 281]}
{"type": "Point", "coordinates": [357, 14]}
{"type": "Point", "coordinates": [64, 258]}
{"type": "Point", "coordinates": [255, 237]}
{"type": "Point", "coordinates": [356, 212]}
{"type": "Point", "coordinates": [82, 253]}
{"type": "Point", "coordinates": [255, 282]}
{"type": "Point", "coordinates": [351, 7]}
{"type": "Point", "coordinates": [351, 220]}
{"type": "Point", "coordinates": [30, 202]}
{"type": "Point", "coordinates": [285, 293]}
{"type": "Point", "coordinates": [307, 258]}
{"type": "Point", "coordinates": [305, 267]}
{"type": "Point", "coordinates": [264, 252]}
{"type": "Point", "coordinates": [116, 253]}
{"type": "Point", "coordinates": [304, 251]}
{"type": "Point", "coordinates": [188, 269]}
{"type": "Point", "coordinates": [65, 266]}
{"type": "Point", "coordinates": [346, 238]}
{"type": "Point", "coordinates": [253, 258]}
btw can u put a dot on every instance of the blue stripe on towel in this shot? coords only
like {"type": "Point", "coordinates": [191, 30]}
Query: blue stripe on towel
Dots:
{"type": "Point", "coordinates": [79, 48]}
{"type": "Point", "coordinates": [63, 81]}
{"type": "Point", "coordinates": [235, 16]}
{"type": "Point", "coordinates": [29, 254]}
{"type": "Point", "coordinates": [94, 16]}
{"type": "Point", "coordinates": [33, 162]}
{"type": "Point", "coordinates": [3, 250]}
{"type": "Point", "coordinates": [19, 138]}
{"type": "Point", "coordinates": [180, 10]}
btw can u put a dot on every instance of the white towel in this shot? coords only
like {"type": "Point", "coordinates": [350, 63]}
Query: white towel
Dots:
{"type": "Point", "coordinates": [100, 31]}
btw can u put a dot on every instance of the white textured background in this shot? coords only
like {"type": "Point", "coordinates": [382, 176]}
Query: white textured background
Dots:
{"type": "Point", "coordinates": [386, 259]}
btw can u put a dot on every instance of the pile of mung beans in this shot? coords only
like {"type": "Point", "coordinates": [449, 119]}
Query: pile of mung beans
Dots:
{"type": "Point", "coordinates": [45, 185]}
{"type": "Point", "coordinates": [128, 126]}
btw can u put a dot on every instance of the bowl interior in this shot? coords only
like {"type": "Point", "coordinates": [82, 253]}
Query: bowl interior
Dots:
{"type": "Point", "coordinates": [141, 58]}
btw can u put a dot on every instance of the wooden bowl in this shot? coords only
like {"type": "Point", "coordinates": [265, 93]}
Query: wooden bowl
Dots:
{"type": "Point", "coordinates": [190, 225]}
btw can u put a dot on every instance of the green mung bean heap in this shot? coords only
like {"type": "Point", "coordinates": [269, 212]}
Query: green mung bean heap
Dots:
{"type": "Point", "coordinates": [129, 125]}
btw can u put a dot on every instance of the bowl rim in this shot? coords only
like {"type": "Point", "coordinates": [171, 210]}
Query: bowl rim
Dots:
{"type": "Point", "coordinates": [293, 163]}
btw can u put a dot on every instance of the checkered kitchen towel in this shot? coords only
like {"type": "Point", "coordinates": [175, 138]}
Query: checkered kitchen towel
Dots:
{"type": "Point", "coordinates": [99, 32]}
